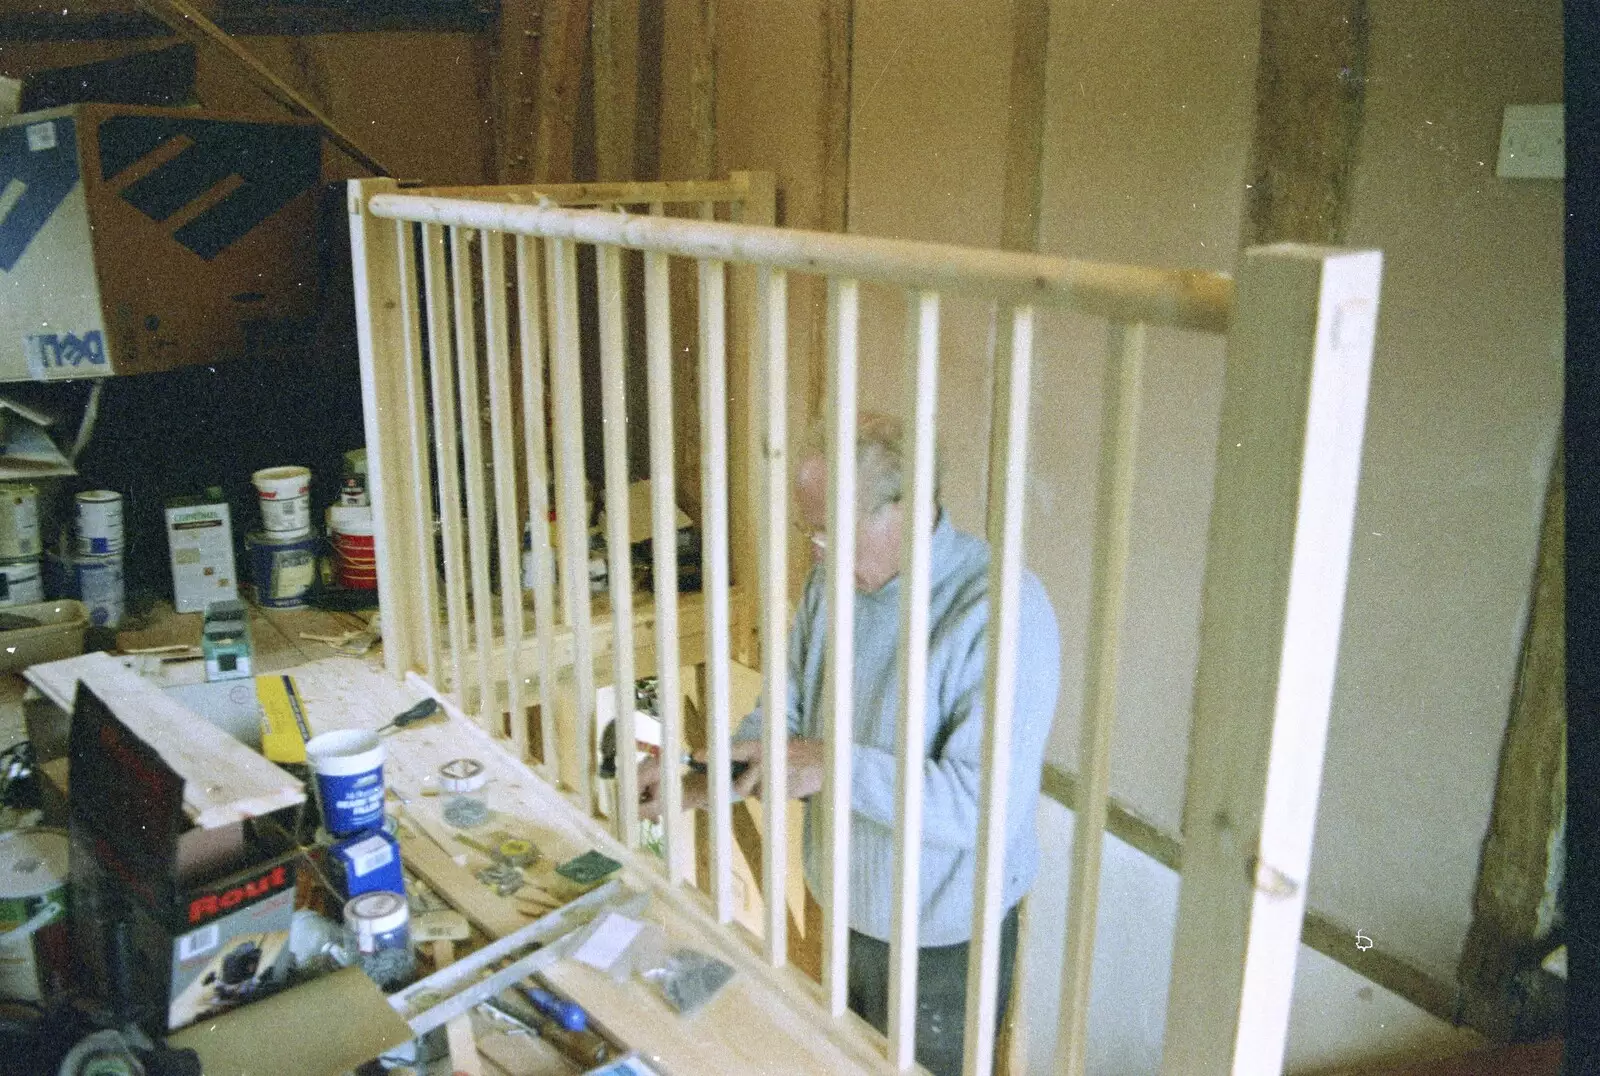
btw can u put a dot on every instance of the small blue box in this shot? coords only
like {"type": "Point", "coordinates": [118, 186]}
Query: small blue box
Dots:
{"type": "Point", "coordinates": [365, 862]}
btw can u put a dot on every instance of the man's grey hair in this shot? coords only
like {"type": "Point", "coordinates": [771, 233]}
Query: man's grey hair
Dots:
{"type": "Point", "coordinates": [882, 467]}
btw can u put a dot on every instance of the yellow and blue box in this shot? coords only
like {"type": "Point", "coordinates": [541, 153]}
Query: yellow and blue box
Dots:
{"type": "Point", "coordinates": [136, 239]}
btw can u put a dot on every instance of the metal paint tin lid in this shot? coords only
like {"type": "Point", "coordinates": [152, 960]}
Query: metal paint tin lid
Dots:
{"type": "Point", "coordinates": [33, 862]}
{"type": "Point", "coordinates": [375, 913]}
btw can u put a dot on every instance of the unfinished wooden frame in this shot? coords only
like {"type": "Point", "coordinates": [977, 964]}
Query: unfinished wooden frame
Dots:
{"type": "Point", "coordinates": [1300, 342]}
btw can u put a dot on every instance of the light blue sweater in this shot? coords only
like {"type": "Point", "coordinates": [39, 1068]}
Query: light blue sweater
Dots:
{"type": "Point", "coordinates": [958, 617]}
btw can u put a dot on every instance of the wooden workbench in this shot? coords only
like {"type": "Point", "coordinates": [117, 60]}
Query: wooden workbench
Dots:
{"type": "Point", "coordinates": [763, 1021]}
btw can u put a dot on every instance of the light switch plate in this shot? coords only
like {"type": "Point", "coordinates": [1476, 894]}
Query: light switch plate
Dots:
{"type": "Point", "coordinates": [1533, 143]}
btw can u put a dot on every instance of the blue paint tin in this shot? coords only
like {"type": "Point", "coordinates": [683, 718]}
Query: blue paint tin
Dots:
{"type": "Point", "coordinates": [98, 583]}
{"type": "Point", "coordinates": [282, 570]}
{"type": "Point", "coordinates": [348, 766]}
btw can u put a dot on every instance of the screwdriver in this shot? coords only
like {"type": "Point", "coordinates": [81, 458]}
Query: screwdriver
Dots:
{"type": "Point", "coordinates": [406, 718]}
{"type": "Point", "coordinates": [565, 1013]}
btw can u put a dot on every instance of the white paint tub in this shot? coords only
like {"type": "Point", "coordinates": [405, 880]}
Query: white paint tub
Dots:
{"type": "Point", "coordinates": [285, 494]}
{"type": "Point", "coordinates": [100, 530]}
{"type": "Point", "coordinates": [20, 583]}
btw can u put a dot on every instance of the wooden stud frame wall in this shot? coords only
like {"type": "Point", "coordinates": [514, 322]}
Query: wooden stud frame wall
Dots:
{"type": "Point", "coordinates": [1300, 335]}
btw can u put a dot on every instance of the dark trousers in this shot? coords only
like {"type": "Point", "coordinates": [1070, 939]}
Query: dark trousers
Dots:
{"type": "Point", "coordinates": [941, 993]}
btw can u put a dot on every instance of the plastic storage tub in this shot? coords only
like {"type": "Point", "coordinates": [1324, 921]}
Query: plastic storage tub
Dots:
{"type": "Point", "coordinates": [57, 633]}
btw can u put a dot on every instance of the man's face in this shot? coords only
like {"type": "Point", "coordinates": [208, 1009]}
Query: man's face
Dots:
{"type": "Point", "coordinates": [877, 536]}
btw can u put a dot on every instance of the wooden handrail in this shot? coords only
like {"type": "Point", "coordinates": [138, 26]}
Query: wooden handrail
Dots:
{"type": "Point", "coordinates": [1181, 298]}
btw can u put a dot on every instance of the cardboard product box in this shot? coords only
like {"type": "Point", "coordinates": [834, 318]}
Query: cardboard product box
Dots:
{"type": "Point", "coordinates": [171, 922]}
{"type": "Point", "coordinates": [364, 863]}
{"type": "Point", "coordinates": [200, 540]}
{"type": "Point", "coordinates": [135, 239]}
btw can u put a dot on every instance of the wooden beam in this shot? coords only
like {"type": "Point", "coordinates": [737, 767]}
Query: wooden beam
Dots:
{"type": "Point", "coordinates": [124, 21]}
{"type": "Point", "coordinates": [703, 92]}
{"type": "Point", "coordinates": [516, 53]}
{"type": "Point", "coordinates": [615, 30]}
{"type": "Point", "coordinates": [188, 22]}
{"type": "Point", "coordinates": [561, 51]}
{"type": "Point", "coordinates": [833, 165]}
{"type": "Point", "coordinates": [1530, 795]}
{"type": "Point", "coordinates": [1310, 94]}
{"type": "Point", "coordinates": [1293, 413]}
{"type": "Point", "coordinates": [1179, 298]}
{"type": "Point", "coordinates": [1024, 172]}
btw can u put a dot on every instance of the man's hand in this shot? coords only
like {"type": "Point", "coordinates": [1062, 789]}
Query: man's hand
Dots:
{"type": "Point", "coordinates": [807, 764]}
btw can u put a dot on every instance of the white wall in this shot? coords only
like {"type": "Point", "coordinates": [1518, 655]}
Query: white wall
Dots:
{"type": "Point", "coordinates": [1337, 1017]}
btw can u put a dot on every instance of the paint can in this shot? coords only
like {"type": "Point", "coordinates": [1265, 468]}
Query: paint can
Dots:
{"type": "Point", "coordinates": [353, 485]}
{"type": "Point", "coordinates": [20, 582]}
{"type": "Point", "coordinates": [35, 953]}
{"type": "Point", "coordinates": [100, 531]}
{"type": "Point", "coordinates": [285, 494]}
{"type": "Point", "coordinates": [19, 521]}
{"type": "Point", "coordinates": [348, 767]}
{"type": "Point", "coordinates": [355, 561]}
{"type": "Point", "coordinates": [97, 582]}
{"type": "Point", "coordinates": [282, 569]}
{"type": "Point", "coordinates": [380, 922]}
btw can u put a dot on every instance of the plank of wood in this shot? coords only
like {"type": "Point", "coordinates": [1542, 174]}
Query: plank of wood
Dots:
{"type": "Point", "coordinates": [1113, 535]}
{"type": "Point", "coordinates": [714, 572]}
{"type": "Point", "coordinates": [531, 340]}
{"type": "Point", "coordinates": [447, 455]}
{"type": "Point", "coordinates": [224, 781]}
{"type": "Point", "coordinates": [188, 22]}
{"type": "Point", "coordinates": [922, 399]}
{"type": "Point", "coordinates": [502, 435]}
{"type": "Point", "coordinates": [1025, 115]}
{"type": "Point", "coordinates": [839, 659]}
{"type": "Point", "coordinates": [493, 915]}
{"type": "Point", "coordinates": [1007, 481]}
{"type": "Point", "coordinates": [619, 548]}
{"type": "Point", "coordinates": [1293, 412]}
{"type": "Point", "coordinates": [463, 1046]}
{"type": "Point", "coordinates": [471, 403]}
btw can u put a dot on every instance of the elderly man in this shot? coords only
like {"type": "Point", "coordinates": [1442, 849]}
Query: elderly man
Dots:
{"type": "Point", "coordinates": [958, 619]}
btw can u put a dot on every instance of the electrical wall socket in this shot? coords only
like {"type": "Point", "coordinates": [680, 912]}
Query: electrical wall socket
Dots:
{"type": "Point", "coordinates": [1533, 143]}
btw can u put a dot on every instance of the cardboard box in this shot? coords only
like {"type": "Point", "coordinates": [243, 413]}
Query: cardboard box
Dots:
{"type": "Point", "coordinates": [175, 922]}
{"type": "Point", "coordinates": [364, 863]}
{"type": "Point", "coordinates": [200, 541]}
{"type": "Point", "coordinates": [135, 239]}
